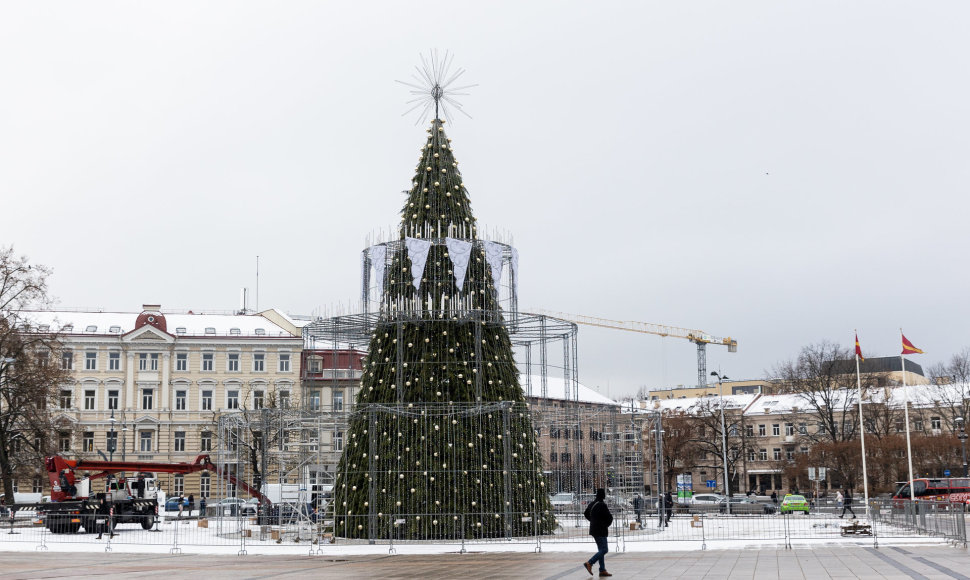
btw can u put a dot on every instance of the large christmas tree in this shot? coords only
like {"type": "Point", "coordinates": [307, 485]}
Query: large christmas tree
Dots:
{"type": "Point", "coordinates": [441, 444]}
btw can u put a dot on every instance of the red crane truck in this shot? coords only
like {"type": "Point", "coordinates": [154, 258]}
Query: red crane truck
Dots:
{"type": "Point", "coordinates": [74, 506]}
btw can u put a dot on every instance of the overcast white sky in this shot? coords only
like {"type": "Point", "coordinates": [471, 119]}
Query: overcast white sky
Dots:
{"type": "Point", "coordinates": [778, 172]}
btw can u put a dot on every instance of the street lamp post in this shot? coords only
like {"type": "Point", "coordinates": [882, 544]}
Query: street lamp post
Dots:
{"type": "Point", "coordinates": [962, 436]}
{"type": "Point", "coordinates": [112, 437]}
{"type": "Point", "coordinates": [727, 483]}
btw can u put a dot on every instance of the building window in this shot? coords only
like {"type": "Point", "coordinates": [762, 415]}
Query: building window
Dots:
{"type": "Point", "coordinates": [314, 400]}
{"type": "Point", "coordinates": [232, 362]}
{"type": "Point", "coordinates": [180, 441]}
{"type": "Point", "coordinates": [37, 486]}
{"type": "Point", "coordinates": [284, 399]}
{"type": "Point", "coordinates": [763, 455]}
{"type": "Point", "coordinates": [749, 430]}
{"type": "Point", "coordinates": [259, 362]}
{"type": "Point", "coordinates": [257, 399]}
{"type": "Point", "coordinates": [205, 441]}
{"type": "Point", "coordinates": [935, 423]}
{"type": "Point", "coordinates": [91, 361]}
{"type": "Point", "coordinates": [232, 399]}
{"type": "Point", "coordinates": [206, 400]}
{"type": "Point", "coordinates": [181, 361]}
{"type": "Point", "coordinates": [899, 426]}
{"type": "Point", "coordinates": [751, 455]}
{"type": "Point", "coordinates": [145, 441]}
{"type": "Point", "coordinates": [65, 399]}
{"type": "Point", "coordinates": [284, 362]}
{"type": "Point", "coordinates": [143, 361]}
{"type": "Point", "coordinates": [338, 441]}
{"type": "Point", "coordinates": [114, 360]}
{"type": "Point", "coordinates": [338, 400]}
{"type": "Point", "coordinates": [89, 400]}
{"type": "Point", "coordinates": [180, 400]}
{"type": "Point", "coordinates": [802, 429]}
{"type": "Point", "coordinates": [776, 454]}
{"type": "Point", "coordinates": [179, 487]}
{"type": "Point", "coordinates": [112, 441]}
{"type": "Point", "coordinates": [803, 450]}
{"type": "Point", "coordinates": [789, 429]}
{"type": "Point", "coordinates": [67, 360]}
{"type": "Point", "coordinates": [207, 361]}
{"type": "Point", "coordinates": [87, 442]}
{"type": "Point", "coordinates": [153, 361]}
{"type": "Point", "coordinates": [789, 453]}
{"type": "Point", "coordinates": [776, 430]}
{"type": "Point", "coordinates": [147, 396]}
{"type": "Point", "coordinates": [918, 425]}
{"type": "Point", "coordinates": [204, 485]}
{"type": "Point", "coordinates": [761, 431]}
{"type": "Point", "coordinates": [112, 400]}
{"type": "Point", "coordinates": [64, 441]}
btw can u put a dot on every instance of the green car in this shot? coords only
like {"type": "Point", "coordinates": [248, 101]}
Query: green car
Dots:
{"type": "Point", "coordinates": [794, 503]}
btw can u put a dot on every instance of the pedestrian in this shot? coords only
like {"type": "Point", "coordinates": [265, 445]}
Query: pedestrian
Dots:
{"type": "Point", "coordinates": [600, 518]}
{"type": "Point", "coordinates": [774, 497]}
{"type": "Point", "coordinates": [102, 518]}
{"type": "Point", "coordinates": [191, 503]}
{"type": "Point", "coordinates": [847, 504]}
{"type": "Point", "coordinates": [668, 508]}
{"type": "Point", "coordinates": [181, 501]}
{"type": "Point", "coordinates": [202, 508]}
{"type": "Point", "coordinates": [838, 500]}
{"type": "Point", "coordinates": [638, 507]}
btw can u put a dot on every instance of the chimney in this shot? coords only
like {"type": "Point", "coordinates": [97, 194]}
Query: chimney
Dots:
{"type": "Point", "coordinates": [151, 307]}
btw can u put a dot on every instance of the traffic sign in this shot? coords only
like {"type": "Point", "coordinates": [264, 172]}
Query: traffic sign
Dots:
{"type": "Point", "coordinates": [946, 473]}
{"type": "Point", "coordinates": [711, 483]}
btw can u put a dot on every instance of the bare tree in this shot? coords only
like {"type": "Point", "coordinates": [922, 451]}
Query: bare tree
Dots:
{"type": "Point", "coordinates": [823, 376]}
{"type": "Point", "coordinates": [30, 370]}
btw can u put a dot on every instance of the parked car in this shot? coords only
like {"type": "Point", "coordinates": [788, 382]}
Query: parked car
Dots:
{"type": "Point", "coordinates": [745, 506]}
{"type": "Point", "coordinates": [563, 500]}
{"type": "Point", "coordinates": [172, 504]}
{"type": "Point", "coordinates": [795, 503]}
{"type": "Point", "coordinates": [231, 506]}
{"type": "Point", "coordinates": [705, 502]}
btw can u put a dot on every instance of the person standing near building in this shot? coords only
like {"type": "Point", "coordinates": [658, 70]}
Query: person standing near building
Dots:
{"type": "Point", "coordinates": [181, 501]}
{"type": "Point", "coordinates": [838, 501]}
{"type": "Point", "coordinates": [600, 518]}
{"type": "Point", "coordinates": [638, 508]}
{"type": "Point", "coordinates": [191, 503]}
{"type": "Point", "coordinates": [668, 508]}
{"type": "Point", "coordinates": [847, 504]}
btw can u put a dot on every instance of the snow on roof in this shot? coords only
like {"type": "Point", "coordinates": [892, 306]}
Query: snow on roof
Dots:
{"type": "Point", "coordinates": [556, 389]}
{"type": "Point", "coordinates": [694, 405]}
{"type": "Point", "coordinates": [116, 323]}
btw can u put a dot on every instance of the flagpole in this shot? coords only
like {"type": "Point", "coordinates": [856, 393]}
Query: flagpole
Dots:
{"type": "Point", "coordinates": [909, 447]}
{"type": "Point", "coordinates": [862, 429]}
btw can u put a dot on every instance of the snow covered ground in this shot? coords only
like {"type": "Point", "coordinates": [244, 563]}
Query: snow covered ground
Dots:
{"type": "Point", "coordinates": [229, 536]}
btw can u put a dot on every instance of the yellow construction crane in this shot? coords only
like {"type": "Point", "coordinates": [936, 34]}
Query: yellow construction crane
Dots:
{"type": "Point", "coordinates": [698, 337]}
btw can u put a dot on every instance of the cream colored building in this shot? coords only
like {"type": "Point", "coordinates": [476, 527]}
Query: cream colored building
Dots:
{"type": "Point", "coordinates": [151, 385]}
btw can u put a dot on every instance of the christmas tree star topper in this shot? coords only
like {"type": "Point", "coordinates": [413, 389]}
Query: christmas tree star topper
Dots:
{"type": "Point", "coordinates": [432, 86]}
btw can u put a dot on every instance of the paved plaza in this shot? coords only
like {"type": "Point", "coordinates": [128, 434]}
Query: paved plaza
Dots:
{"type": "Point", "coordinates": [810, 563]}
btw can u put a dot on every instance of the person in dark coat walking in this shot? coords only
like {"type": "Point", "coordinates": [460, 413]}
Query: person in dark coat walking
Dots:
{"type": "Point", "coordinates": [774, 497]}
{"type": "Point", "coordinates": [668, 508]}
{"type": "Point", "coordinates": [600, 518]}
{"type": "Point", "coordinates": [638, 507]}
{"type": "Point", "coordinates": [103, 515]}
{"type": "Point", "coordinates": [847, 504]}
{"type": "Point", "coordinates": [191, 503]}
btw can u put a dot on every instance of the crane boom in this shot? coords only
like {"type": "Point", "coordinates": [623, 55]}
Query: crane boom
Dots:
{"type": "Point", "coordinates": [698, 337]}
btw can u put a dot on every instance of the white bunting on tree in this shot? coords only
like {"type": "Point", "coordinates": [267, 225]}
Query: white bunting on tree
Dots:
{"type": "Point", "coordinates": [378, 259]}
{"type": "Point", "coordinates": [418, 253]}
{"type": "Point", "coordinates": [460, 252]}
{"type": "Point", "coordinates": [493, 255]}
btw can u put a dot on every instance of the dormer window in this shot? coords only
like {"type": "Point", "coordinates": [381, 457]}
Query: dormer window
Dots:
{"type": "Point", "coordinates": [67, 328]}
{"type": "Point", "coordinates": [260, 332]}
{"type": "Point", "coordinates": [180, 330]}
{"type": "Point", "coordinates": [210, 330]}
{"type": "Point", "coordinates": [115, 330]}
{"type": "Point", "coordinates": [235, 331]}
{"type": "Point", "coordinates": [91, 328]}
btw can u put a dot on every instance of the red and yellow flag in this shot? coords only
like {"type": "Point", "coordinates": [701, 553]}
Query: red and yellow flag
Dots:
{"type": "Point", "coordinates": [908, 347]}
{"type": "Point", "coordinates": [858, 349]}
